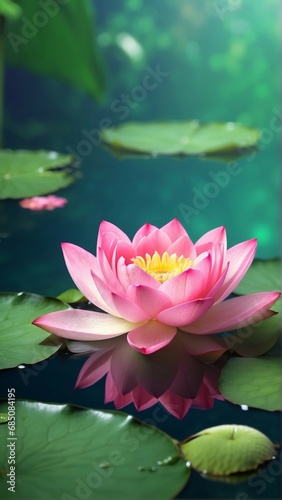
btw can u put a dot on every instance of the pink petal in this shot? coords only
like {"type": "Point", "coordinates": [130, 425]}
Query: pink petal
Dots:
{"type": "Point", "coordinates": [107, 242]}
{"type": "Point", "coordinates": [182, 314]}
{"type": "Point", "coordinates": [123, 368]}
{"type": "Point", "coordinates": [182, 246]}
{"type": "Point", "coordinates": [128, 310]}
{"type": "Point", "coordinates": [143, 232]}
{"type": "Point", "coordinates": [78, 324]}
{"type": "Point", "coordinates": [218, 264]}
{"type": "Point", "coordinates": [203, 399]}
{"type": "Point", "coordinates": [109, 275]}
{"type": "Point", "coordinates": [134, 275]}
{"type": "Point", "coordinates": [188, 378]}
{"type": "Point", "coordinates": [214, 291]}
{"type": "Point", "coordinates": [123, 249]}
{"type": "Point", "coordinates": [203, 263]}
{"type": "Point", "coordinates": [150, 337]}
{"type": "Point", "coordinates": [175, 230]}
{"type": "Point", "coordinates": [112, 394]}
{"type": "Point", "coordinates": [157, 241]}
{"type": "Point", "coordinates": [240, 258]}
{"type": "Point", "coordinates": [105, 293]}
{"type": "Point", "coordinates": [149, 299]}
{"type": "Point", "coordinates": [142, 399]}
{"type": "Point", "coordinates": [213, 237]}
{"type": "Point", "coordinates": [97, 365]}
{"type": "Point", "coordinates": [80, 263]}
{"type": "Point", "coordinates": [177, 406]}
{"type": "Point", "coordinates": [108, 227]}
{"type": "Point", "coordinates": [234, 313]}
{"type": "Point", "coordinates": [184, 287]}
{"type": "Point", "coordinates": [138, 276]}
{"type": "Point", "coordinates": [156, 372]}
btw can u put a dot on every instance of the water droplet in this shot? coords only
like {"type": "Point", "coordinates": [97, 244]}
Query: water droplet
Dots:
{"type": "Point", "coordinates": [104, 465]}
{"type": "Point", "coordinates": [188, 464]}
{"type": "Point", "coordinates": [169, 460]}
{"type": "Point", "coordinates": [21, 366]}
{"type": "Point", "coordinates": [141, 468]}
{"type": "Point", "coordinates": [204, 471]}
{"type": "Point", "coordinates": [152, 469]}
{"type": "Point", "coordinates": [4, 418]}
{"type": "Point", "coordinates": [53, 155]}
{"type": "Point", "coordinates": [244, 407]}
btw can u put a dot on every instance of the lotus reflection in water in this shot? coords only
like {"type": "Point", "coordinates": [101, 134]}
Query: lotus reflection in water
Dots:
{"type": "Point", "coordinates": [170, 376]}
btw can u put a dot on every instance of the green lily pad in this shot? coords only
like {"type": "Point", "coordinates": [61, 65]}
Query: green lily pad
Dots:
{"type": "Point", "coordinates": [174, 138]}
{"type": "Point", "coordinates": [254, 382]}
{"type": "Point", "coordinates": [20, 341]}
{"type": "Point", "coordinates": [262, 276]}
{"type": "Point", "coordinates": [45, 40]}
{"type": "Point", "coordinates": [255, 340]}
{"type": "Point", "coordinates": [31, 173]}
{"type": "Point", "coordinates": [10, 9]}
{"type": "Point", "coordinates": [71, 296]}
{"type": "Point", "coordinates": [227, 449]}
{"type": "Point", "coordinates": [4, 418]}
{"type": "Point", "coordinates": [66, 452]}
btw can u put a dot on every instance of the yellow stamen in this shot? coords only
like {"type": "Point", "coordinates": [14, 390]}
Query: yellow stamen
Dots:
{"type": "Point", "coordinates": [164, 267]}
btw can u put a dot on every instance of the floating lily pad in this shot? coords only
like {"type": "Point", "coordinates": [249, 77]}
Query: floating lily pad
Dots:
{"type": "Point", "coordinates": [71, 296]}
{"type": "Point", "coordinates": [45, 40]}
{"type": "Point", "coordinates": [20, 341]}
{"type": "Point", "coordinates": [174, 138]}
{"type": "Point", "coordinates": [10, 9]}
{"type": "Point", "coordinates": [262, 276]}
{"type": "Point", "coordinates": [227, 449]}
{"type": "Point", "coordinates": [254, 382]}
{"type": "Point", "coordinates": [31, 173]}
{"type": "Point", "coordinates": [4, 418]}
{"type": "Point", "coordinates": [258, 338]}
{"type": "Point", "coordinates": [66, 452]}
{"type": "Point", "coordinates": [254, 340]}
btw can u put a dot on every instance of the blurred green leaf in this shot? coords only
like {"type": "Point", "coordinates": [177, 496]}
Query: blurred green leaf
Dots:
{"type": "Point", "coordinates": [83, 453]}
{"type": "Point", "coordinates": [173, 138]}
{"type": "Point", "coordinates": [10, 9]}
{"type": "Point", "coordinates": [254, 382]}
{"type": "Point", "coordinates": [71, 296]}
{"type": "Point", "coordinates": [20, 341]}
{"type": "Point", "coordinates": [31, 173]}
{"type": "Point", "coordinates": [57, 39]}
{"type": "Point", "coordinates": [227, 449]}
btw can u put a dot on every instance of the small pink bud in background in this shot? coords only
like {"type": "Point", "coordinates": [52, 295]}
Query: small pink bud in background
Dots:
{"type": "Point", "coordinates": [43, 202]}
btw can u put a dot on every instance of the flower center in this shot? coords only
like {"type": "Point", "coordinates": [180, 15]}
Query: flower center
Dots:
{"type": "Point", "coordinates": [164, 267]}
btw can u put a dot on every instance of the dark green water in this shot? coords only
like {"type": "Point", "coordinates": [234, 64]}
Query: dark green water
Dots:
{"type": "Point", "coordinates": [218, 69]}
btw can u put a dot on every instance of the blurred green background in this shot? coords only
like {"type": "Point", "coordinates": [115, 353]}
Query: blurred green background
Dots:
{"type": "Point", "coordinates": [215, 60]}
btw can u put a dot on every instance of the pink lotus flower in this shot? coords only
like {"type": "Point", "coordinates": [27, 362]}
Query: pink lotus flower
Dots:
{"type": "Point", "coordinates": [157, 284]}
{"type": "Point", "coordinates": [43, 202]}
{"type": "Point", "coordinates": [170, 376]}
